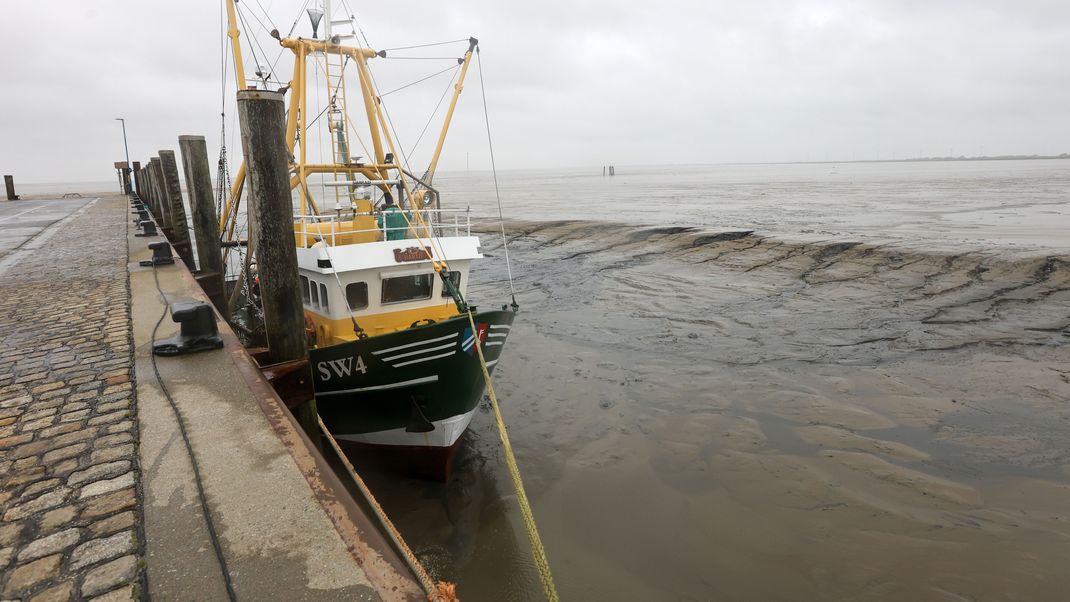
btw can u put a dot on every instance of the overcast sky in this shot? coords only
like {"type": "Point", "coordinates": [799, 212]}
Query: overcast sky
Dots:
{"type": "Point", "coordinates": [569, 84]}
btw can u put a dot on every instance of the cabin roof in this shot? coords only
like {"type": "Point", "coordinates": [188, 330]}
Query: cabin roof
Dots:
{"type": "Point", "coordinates": [386, 253]}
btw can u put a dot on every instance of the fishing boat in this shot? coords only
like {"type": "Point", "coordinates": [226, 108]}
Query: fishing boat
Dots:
{"type": "Point", "coordinates": [396, 350]}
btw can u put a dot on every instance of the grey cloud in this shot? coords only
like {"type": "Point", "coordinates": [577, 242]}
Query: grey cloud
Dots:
{"type": "Point", "coordinates": [574, 83]}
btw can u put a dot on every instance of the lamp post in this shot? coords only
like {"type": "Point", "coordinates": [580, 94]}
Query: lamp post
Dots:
{"type": "Point", "coordinates": [126, 180]}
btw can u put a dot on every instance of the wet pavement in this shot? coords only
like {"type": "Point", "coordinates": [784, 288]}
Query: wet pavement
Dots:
{"type": "Point", "coordinates": [69, 512]}
{"type": "Point", "coordinates": [22, 220]}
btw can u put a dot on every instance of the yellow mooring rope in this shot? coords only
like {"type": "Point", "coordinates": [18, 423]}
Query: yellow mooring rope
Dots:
{"type": "Point", "coordinates": [537, 550]}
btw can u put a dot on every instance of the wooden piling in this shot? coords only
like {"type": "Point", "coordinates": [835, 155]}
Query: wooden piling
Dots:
{"type": "Point", "coordinates": [205, 223]}
{"type": "Point", "coordinates": [9, 184]}
{"type": "Point", "coordinates": [141, 186]}
{"type": "Point", "coordinates": [179, 224]}
{"type": "Point", "coordinates": [146, 191]}
{"type": "Point", "coordinates": [146, 187]}
{"type": "Point", "coordinates": [159, 206]}
{"type": "Point", "coordinates": [137, 178]}
{"type": "Point", "coordinates": [162, 204]}
{"type": "Point", "coordinates": [124, 176]}
{"type": "Point", "coordinates": [261, 115]}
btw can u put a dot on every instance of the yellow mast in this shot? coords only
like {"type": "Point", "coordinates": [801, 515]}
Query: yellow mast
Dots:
{"type": "Point", "coordinates": [430, 174]}
{"type": "Point", "coordinates": [378, 168]}
{"type": "Point", "coordinates": [239, 77]}
{"type": "Point", "coordinates": [235, 45]}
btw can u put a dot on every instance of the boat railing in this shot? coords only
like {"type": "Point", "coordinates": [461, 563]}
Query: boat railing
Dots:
{"type": "Point", "coordinates": [443, 223]}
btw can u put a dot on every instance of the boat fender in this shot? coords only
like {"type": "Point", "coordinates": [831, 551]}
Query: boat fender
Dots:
{"type": "Point", "coordinates": [429, 321]}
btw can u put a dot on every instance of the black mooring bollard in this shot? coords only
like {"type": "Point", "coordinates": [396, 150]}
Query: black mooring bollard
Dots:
{"type": "Point", "coordinates": [198, 333]}
{"type": "Point", "coordinates": [161, 255]}
{"type": "Point", "coordinates": [148, 228]}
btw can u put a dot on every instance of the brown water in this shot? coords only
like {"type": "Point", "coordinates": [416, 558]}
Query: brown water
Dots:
{"type": "Point", "coordinates": [702, 416]}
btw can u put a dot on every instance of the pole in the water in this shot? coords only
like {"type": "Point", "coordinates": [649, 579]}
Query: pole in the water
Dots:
{"type": "Point", "coordinates": [9, 184]}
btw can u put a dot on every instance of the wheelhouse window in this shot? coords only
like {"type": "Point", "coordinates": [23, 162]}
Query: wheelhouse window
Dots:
{"type": "Point", "coordinates": [304, 290]}
{"type": "Point", "coordinates": [455, 278]}
{"type": "Point", "coordinates": [407, 288]}
{"type": "Point", "coordinates": [323, 297]}
{"type": "Point", "coordinates": [315, 291]}
{"type": "Point", "coordinates": [357, 295]}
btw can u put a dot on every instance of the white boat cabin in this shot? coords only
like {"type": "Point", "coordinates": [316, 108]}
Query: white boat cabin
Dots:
{"type": "Point", "coordinates": [387, 285]}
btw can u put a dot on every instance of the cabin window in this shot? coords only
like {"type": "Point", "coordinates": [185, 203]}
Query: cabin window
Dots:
{"type": "Point", "coordinates": [455, 277]}
{"type": "Point", "coordinates": [304, 290]}
{"type": "Point", "coordinates": [357, 295]}
{"type": "Point", "coordinates": [315, 294]}
{"type": "Point", "coordinates": [407, 288]}
{"type": "Point", "coordinates": [323, 297]}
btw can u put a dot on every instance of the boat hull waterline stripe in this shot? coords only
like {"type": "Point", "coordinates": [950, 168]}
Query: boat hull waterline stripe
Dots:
{"type": "Point", "coordinates": [405, 383]}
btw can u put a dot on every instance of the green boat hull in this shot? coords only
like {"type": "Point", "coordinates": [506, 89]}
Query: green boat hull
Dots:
{"type": "Point", "coordinates": [415, 388]}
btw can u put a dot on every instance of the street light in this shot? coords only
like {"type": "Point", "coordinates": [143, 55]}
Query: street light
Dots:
{"type": "Point", "coordinates": [129, 166]}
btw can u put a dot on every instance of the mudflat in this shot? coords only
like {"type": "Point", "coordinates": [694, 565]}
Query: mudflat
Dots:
{"type": "Point", "coordinates": [727, 415]}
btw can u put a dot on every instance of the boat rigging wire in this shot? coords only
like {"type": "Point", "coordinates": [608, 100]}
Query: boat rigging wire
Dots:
{"type": "Point", "coordinates": [246, 28]}
{"type": "Point", "coordinates": [424, 45]}
{"type": "Point", "coordinates": [422, 79]}
{"type": "Point", "coordinates": [293, 28]}
{"type": "Point", "coordinates": [202, 498]}
{"type": "Point", "coordinates": [419, 58]}
{"type": "Point", "coordinates": [435, 112]}
{"type": "Point", "coordinates": [494, 173]}
{"type": "Point", "coordinates": [267, 17]}
{"type": "Point", "coordinates": [357, 330]}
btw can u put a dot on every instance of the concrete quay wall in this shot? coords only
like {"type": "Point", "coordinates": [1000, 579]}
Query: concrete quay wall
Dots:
{"type": "Point", "coordinates": [97, 494]}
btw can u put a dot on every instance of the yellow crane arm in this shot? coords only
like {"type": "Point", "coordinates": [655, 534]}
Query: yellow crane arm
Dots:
{"type": "Point", "coordinates": [467, 60]}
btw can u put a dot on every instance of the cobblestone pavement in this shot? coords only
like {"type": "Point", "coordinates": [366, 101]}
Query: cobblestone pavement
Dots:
{"type": "Point", "coordinates": [69, 503]}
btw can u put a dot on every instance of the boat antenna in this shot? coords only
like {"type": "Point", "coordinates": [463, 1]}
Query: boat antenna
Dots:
{"type": "Point", "coordinates": [494, 172]}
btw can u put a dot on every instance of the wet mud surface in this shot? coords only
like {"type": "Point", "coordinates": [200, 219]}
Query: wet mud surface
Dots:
{"type": "Point", "coordinates": [728, 415]}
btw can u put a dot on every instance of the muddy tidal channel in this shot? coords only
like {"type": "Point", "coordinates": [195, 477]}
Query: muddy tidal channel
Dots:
{"type": "Point", "coordinates": [727, 416]}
